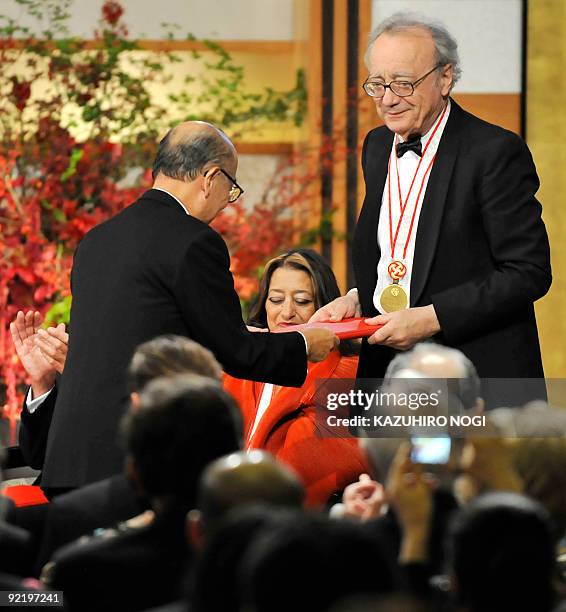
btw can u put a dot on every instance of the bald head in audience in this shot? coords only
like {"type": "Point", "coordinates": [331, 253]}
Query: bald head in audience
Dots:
{"type": "Point", "coordinates": [242, 479]}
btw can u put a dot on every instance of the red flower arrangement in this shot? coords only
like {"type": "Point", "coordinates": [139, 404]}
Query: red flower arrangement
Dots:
{"type": "Point", "coordinates": [54, 188]}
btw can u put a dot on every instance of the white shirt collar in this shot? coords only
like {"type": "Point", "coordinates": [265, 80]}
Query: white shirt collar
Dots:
{"type": "Point", "coordinates": [175, 198]}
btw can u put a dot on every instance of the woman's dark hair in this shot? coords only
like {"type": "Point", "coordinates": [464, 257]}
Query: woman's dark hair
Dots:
{"type": "Point", "coordinates": [323, 281]}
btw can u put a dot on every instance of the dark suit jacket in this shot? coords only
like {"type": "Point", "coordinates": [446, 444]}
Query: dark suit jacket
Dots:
{"type": "Point", "coordinates": [482, 254]}
{"type": "Point", "coordinates": [34, 431]}
{"type": "Point", "coordinates": [137, 569]}
{"type": "Point", "coordinates": [80, 512]}
{"type": "Point", "coordinates": [150, 270]}
{"type": "Point", "coordinates": [17, 550]}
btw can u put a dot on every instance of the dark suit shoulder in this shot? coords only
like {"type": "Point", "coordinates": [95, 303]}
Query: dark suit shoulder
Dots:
{"type": "Point", "coordinates": [134, 569]}
{"type": "Point", "coordinates": [482, 134]}
{"type": "Point", "coordinates": [378, 135]}
{"type": "Point", "coordinates": [153, 212]}
{"type": "Point", "coordinates": [108, 500]}
{"type": "Point", "coordinates": [103, 547]}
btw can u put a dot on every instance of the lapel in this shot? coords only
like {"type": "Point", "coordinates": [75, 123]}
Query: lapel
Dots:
{"type": "Point", "coordinates": [434, 202]}
{"type": "Point", "coordinates": [375, 173]}
{"type": "Point", "coordinates": [286, 400]}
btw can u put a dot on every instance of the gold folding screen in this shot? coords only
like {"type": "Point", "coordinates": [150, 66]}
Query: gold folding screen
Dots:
{"type": "Point", "coordinates": [546, 137]}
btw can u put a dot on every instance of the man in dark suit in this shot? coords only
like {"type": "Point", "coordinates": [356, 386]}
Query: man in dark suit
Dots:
{"type": "Point", "coordinates": [155, 268]}
{"type": "Point", "coordinates": [449, 244]}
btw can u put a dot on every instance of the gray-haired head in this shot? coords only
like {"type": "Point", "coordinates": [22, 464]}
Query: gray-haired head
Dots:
{"type": "Point", "coordinates": [432, 361]}
{"type": "Point", "coordinates": [438, 361]}
{"type": "Point", "coordinates": [445, 44]}
{"type": "Point", "coordinates": [189, 148]}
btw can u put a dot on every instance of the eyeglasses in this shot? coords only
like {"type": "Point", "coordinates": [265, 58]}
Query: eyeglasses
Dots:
{"type": "Point", "coordinates": [236, 191]}
{"type": "Point", "coordinates": [403, 89]}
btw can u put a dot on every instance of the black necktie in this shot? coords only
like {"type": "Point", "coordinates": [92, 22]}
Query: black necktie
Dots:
{"type": "Point", "coordinates": [413, 144]}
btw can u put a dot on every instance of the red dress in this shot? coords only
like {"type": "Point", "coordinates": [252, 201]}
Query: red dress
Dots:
{"type": "Point", "coordinates": [289, 430]}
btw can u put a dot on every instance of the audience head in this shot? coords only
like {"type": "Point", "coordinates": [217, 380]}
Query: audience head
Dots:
{"type": "Point", "coordinates": [318, 561]}
{"type": "Point", "coordinates": [215, 582]}
{"type": "Point", "coordinates": [502, 555]}
{"type": "Point", "coordinates": [197, 163]}
{"type": "Point", "coordinates": [242, 479]}
{"type": "Point", "coordinates": [183, 423]}
{"type": "Point", "coordinates": [168, 355]}
{"type": "Point", "coordinates": [425, 360]}
{"type": "Point", "coordinates": [536, 435]}
{"type": "Point", "coordinates": [293, 286]}
{"type": "Point", "coordinates": [431, 360]}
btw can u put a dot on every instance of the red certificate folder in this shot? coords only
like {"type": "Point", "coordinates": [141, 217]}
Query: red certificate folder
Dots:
{"type": "Point", "coordinates": [345, 329]}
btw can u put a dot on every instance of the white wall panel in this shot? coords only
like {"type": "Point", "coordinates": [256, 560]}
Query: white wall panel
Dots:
{"type": "Point", "coordinates": [215, 19]}
{"type": "Point", "coordinates": [254, 174]}
{"type": "Point", "coordinates": [488, 34]}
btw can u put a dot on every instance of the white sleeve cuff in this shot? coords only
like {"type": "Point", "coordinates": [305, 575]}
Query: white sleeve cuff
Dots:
{"type": "Point", "coordinates": [33, 404]}
{"type": "Point", "coordinates": [352, 291]}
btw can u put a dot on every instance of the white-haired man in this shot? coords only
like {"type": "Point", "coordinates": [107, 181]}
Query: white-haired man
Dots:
{"type": "Point", "coordinates": [450, 243]}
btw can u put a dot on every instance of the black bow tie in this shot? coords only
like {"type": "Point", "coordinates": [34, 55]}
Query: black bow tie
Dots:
{"type": "Point", "coordinates": [413, 144]}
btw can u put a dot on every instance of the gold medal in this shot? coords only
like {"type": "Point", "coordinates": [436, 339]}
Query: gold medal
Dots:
{"type": "Point", "coordinates": [393, 298]}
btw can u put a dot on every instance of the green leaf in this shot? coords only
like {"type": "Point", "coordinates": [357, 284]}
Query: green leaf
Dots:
{"type": "Point", "coordinates": [60, 312]}
{"type": "Point", "coordinates": [76, 156]}
{"type": "Point", "coordinates": [59, 215]}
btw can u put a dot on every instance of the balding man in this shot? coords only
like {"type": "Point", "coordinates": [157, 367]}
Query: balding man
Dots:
{"type": "Point", "coordinates": [238, 480]}
{"type": "Point", "coordinates": [450, 243]}
{"type": "Point", "coordinates": [158, 268]}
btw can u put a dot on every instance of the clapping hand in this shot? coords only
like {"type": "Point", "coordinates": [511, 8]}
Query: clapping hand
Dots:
{"type": "Point", "coordinates": [41, 351]}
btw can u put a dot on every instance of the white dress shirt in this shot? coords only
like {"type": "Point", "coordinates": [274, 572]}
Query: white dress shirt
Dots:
{"type": "Point", "coordinates": [33, 404]}
{"type": "Point", "coordinates": [407, 165]}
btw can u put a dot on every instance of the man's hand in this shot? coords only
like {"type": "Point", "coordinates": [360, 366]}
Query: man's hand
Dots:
{"type": "Point", "coordinates": [410, 493]}
{"type": "Point", "coordinates": [42, 352]}
{"type": "Point", "coordinates": [404, 328]}
{"type": "Point", "coordinates": [320, 342]}
{"type": "Point", "coordinates": [363, 500]}
{"type": "Point", "coordinates": [340, 308]}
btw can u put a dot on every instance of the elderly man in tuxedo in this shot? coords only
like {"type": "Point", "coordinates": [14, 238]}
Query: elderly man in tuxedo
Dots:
{"type": "Point", "coordinates": [449, 244]}
{"type": "Point", "coordinates": [157, 268]}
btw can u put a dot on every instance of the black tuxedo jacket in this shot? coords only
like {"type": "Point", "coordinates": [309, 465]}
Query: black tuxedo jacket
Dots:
{"type": "Point", "coordinates": [150, 270]}
{"type": "Point", "coordinates": [481, 255]}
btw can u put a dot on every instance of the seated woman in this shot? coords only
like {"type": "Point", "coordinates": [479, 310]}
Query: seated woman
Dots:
{"type": "Point", "coordinates": [282, 420]}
